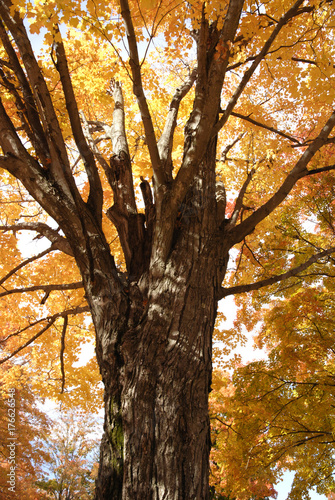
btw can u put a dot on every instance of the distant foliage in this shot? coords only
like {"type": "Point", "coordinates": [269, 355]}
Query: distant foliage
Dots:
{"type": "Point", "coordinates": [72, 445]}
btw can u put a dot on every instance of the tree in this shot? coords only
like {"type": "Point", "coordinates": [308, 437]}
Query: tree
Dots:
{"type": "Point", "coordinates": [72, 446]}
{"type": "Point", "coordinates": [238, 469]}
{"type": "Point", "coordinates": [22, 421]}
{"type": "Point", "coordinates": [278, 413]}
{"type": "Point", "coordinates": [226, 152]}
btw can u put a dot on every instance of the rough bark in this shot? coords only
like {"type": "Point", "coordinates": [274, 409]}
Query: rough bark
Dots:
{"type": "Point", "coordinates": [160, 416]}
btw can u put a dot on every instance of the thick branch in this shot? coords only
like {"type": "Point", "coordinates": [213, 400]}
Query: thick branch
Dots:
{"type": "Point", "coordinates": [141, 99]}
{"type": "Point", "coordinates": [239, 201]}
{"type": "Point", "coordinates": [224, 292]}
{"type": "Point", "coordinates": [95, 198]}
{"type": "Point", "coordinates": [149, 208]}
{"type": "Point", "coordinates": [58, 241]}
{"type": "Point", "coordinates": [21, 108]}
{"type": "Point", "coordinates": [40, 184]}
{"type": "Point", "coordinates": [11, 143]}
{"type": "Point", "coordinates": [59, 164]}
{"type": "Point", "coordinates": [93, 143]}
{"type": "Point", "coordinates": [60, 200]}
{"type": "Point", "coordinates": [221, 201]}
{"type": "Point", "coordinates": [212, 61]}
{"type": "Point", "coordinates": [37, 135]}
{"type": "Point", "coordinates": [118, 135]}
{"type": "Point", "coordinates": [46, 288]}
{"type": "Point", "coordinates": [166, 139]}
{"type": "Point", "coordinates": [123, 214]}
{"type": "Point", "coordinates": [121, 177]}
{"type": "Point", "coordinates": [300, 170]}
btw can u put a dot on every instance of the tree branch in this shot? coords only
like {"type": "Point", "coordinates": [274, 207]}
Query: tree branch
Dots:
{"type": "Point", "coordinates": [46, 288]}
{"type": "Point", "coordinates": [120, 176]}
{"type": "Point", "coordinates": [37, 135]}
{"type": "Point", "coordinates": [118, 129]}
{"type": "Point", "coordinates": [212, 61]}
{"type": "Point", "coordinates": [59, 164]}
{"type": "Point", "coordinates": [248, 74]}
{"type": "Point", "coordinates": [58, 241]}
{"type": "Point", "coordinates": [25, 263]}
{"type": "Point", "coordinates": [230, 146]}
{"type": "Point", "coordinates": [30, 341]}
{"type": "Point", "coordinates": [266, 127]}
{"type": "Point", "coordinates": [40, 184]}
{"type": "Point", "coordinates": [166, 139]}
{"type": "Point", "coordinates": [93, 143]}
{"type": "Point", "coordinates": [51, 320]}
{"type": "Point", "coordinates": [128, 222]}
{"type": "Point", "coordinates": [322, 169]}
{"type": "Point", "coordinates": [239, 200]}
{"type": "Point", "coordinates": [141, 99]}
{"type": "Point", "coordinates": [95, 198]}
{"type": "Point", "coordinates": [306, 61]}
{"type": "Point", "coordinates": [238, 233]}
{"type": "Point", "coordinates": [62, 349]}
{"type": "Point", "coordinates": [224, 292]}
{"type": "Point", "coordinates": [149, 207]}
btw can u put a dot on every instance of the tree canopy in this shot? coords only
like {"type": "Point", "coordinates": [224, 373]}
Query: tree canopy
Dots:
{"type": "Point", "coordinates": [164, 155]}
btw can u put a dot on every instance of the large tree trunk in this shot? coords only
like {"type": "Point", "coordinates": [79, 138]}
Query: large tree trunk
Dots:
{"type": "Point", "coordinates": [167, 378]}
{"type": "Point", "coordinates": [157, 435]}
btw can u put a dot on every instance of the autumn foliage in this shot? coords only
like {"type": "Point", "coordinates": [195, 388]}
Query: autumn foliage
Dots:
{"type": "Point", "coordinates": [157, 157]}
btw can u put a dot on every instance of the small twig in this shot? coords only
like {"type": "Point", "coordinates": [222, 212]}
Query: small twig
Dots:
{"type": "Point", "coordinates": [25, 263]}
{"type": "Point", "coordinates": [51, 320]}
{"type": "Point", "coordinates": [226, 425]}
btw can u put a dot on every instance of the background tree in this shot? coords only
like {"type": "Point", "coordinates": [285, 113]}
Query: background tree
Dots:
{"type": "Point", "coordinates": [278, 413]}
{"type": "Point", "coordinates": [217, 166]}
{"type": "Point", "coordinates": [72, 446]}
{"type": "Point", "coordinates": [29, 423]}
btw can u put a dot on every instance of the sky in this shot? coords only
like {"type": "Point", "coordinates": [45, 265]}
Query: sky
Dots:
{"type": "Point", "coordinates": [283, 488]}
